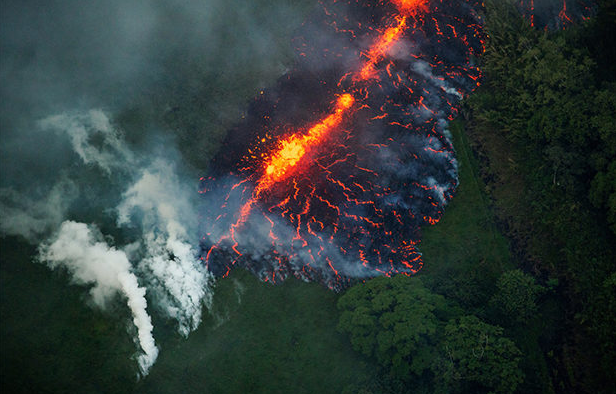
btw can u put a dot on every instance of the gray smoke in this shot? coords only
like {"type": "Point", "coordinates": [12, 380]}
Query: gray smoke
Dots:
{"type": "Point", "coordinates": [106, 107]}
{"type": "Point", "coordinates": [161, 207]}
{"type": "Point", "coordinates": [21, 214]}
{"type": "Point", "coordinates": [111, 152]}
{"type": "Point", "coordinates": [170, 262]}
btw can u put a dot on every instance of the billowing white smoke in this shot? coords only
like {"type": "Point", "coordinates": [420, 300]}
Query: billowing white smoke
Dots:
{"type": "Point", "coordinates": [170, 263]}
{"type": "Point", "coordinates": [156, 202]}
{"type": "Point", "coordinates": [90, 260]}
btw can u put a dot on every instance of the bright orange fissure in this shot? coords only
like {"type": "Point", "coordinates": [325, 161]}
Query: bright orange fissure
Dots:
{"type": "Point", "coordinates": [380, 48]}
{"type": "Point", "coordinates": [410, 7]}
{"type": "Point", "coordinates": [280, 163]}
{"type": "Point", "coordinates": [291, 150]}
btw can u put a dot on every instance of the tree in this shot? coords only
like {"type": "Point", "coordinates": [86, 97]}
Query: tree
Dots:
{"type": "Point", "coordinates": [600, 318]}
{"type": "Point", "coordinates": [515, 299]}
{"type": "Point", "coordinates": [395, 320]}
{"type": "Point", "coordinates": [603, 193]}
{"type": "Point", "coordinates": [475, 357]}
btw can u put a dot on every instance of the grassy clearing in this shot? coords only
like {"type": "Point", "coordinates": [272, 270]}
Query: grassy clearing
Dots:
{"type": "Point", "coordinates": [259, 338]}
{"type": "Point", "coordinates": [465, 253]}
{"type": "Point", "coordinates": [262, 339]}
{"type": "Point", "coordinates": [51, 341]}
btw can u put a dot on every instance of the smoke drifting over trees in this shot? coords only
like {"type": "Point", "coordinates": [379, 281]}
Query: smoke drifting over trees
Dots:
{"type": "Point", "coordinates": [107, 109]}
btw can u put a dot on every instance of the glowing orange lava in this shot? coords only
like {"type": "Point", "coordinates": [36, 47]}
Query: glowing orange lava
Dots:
{"type": "Point", "coordinates": [389, 37]}
{"type": "Point", "coordinates": [285, 157]}
{"type": "Point", "coordinates": [380, 49]}
{"type": "Point", "coordinates": [409, 7]}
{"type": "Point", "coordinates": [291, 150]}
{"type": "Point", "coordinates": [564, 18]}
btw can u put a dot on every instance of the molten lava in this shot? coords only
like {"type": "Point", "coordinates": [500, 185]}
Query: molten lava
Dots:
{"type": "Point", "coordinates": [344, 196]}
{"type": "Point", "coordinates": [291, 150]}
{"type": "Point", "coordinates": [380, 48]}
{"type": "Point", "coordinates": [564, 18]}
{"type": "Point", "coordinates": [410, 7]}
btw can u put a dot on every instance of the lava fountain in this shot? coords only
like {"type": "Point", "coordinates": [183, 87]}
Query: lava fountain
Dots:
{"type": "Point", "coordinates": [334, 170]}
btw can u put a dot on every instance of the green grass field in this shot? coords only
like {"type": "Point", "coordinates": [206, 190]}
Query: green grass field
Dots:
{"type": "Point", "coordinates": [464, 252]}
{"type": "Point", "coordinates": [262, 338]}
{"type": "Point", "coordinates": [258, 338]}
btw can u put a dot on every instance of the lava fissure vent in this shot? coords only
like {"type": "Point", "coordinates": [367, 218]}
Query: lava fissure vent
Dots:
{"type": "Point", "coordinates": [333, 171]}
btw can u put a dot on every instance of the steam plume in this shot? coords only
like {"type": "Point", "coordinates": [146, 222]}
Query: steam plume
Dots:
{"type": "Point", "coordinates": [69, 59]}
{"type": "Point", "coordinates": [170, 262]}
{"type": "Point", "coordinates": [81, 128]}
{"type": "Point", "coordinates": [80, 249]}
{"type": "Point", "coordinates": [157, 202]}
{"type": "Point", "coordinates": [22, 215]}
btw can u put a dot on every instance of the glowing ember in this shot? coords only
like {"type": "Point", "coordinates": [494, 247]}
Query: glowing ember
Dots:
{"type": "Point", "coordinates": [291, 150]}
{"type": "Point", "coordinates": [564, 18]}
{"type": "Point", "coordinates": [409, 7]}
{"type": "Point", "coordinates": [380, 48]}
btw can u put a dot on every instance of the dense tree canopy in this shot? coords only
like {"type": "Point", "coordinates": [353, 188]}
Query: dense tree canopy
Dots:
{"type": "Point", "coordinates": [544, 122]}
{"type": "Point", "coordinates": [544, 91]}
{"type": "Point", "coordinates": [475, 357]}
{"type": "Point", "coordinates": [397, 320]}
{"type": "Point", "coordinates": [516, 298]}
{"type": "Point", "coordinates": [551, 95]}
{"type": "Point", "coordinates": [415, 335]}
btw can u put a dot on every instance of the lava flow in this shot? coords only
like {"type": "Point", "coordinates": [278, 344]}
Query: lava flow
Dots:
{"type": "Point", "coordinates": [344, 196]}
{"type": "Point", "coordinates": [291, 150]}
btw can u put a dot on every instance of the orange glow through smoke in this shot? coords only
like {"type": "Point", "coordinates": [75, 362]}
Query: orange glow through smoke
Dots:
{"type": "Point", "coordinates": [410, 7]}
{"type": "Point", "coordinates": [290, 151]}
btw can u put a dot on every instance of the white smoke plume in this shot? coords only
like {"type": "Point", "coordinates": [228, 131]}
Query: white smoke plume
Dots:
{"type": "Point", "coordinates": [80, 249]}
{"type": "Point", "coordinates": [69, 58]}
{"type": "Point", "coordinates": [170, 263]}
{"type": "Point", "coordinates": [157, 202]}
